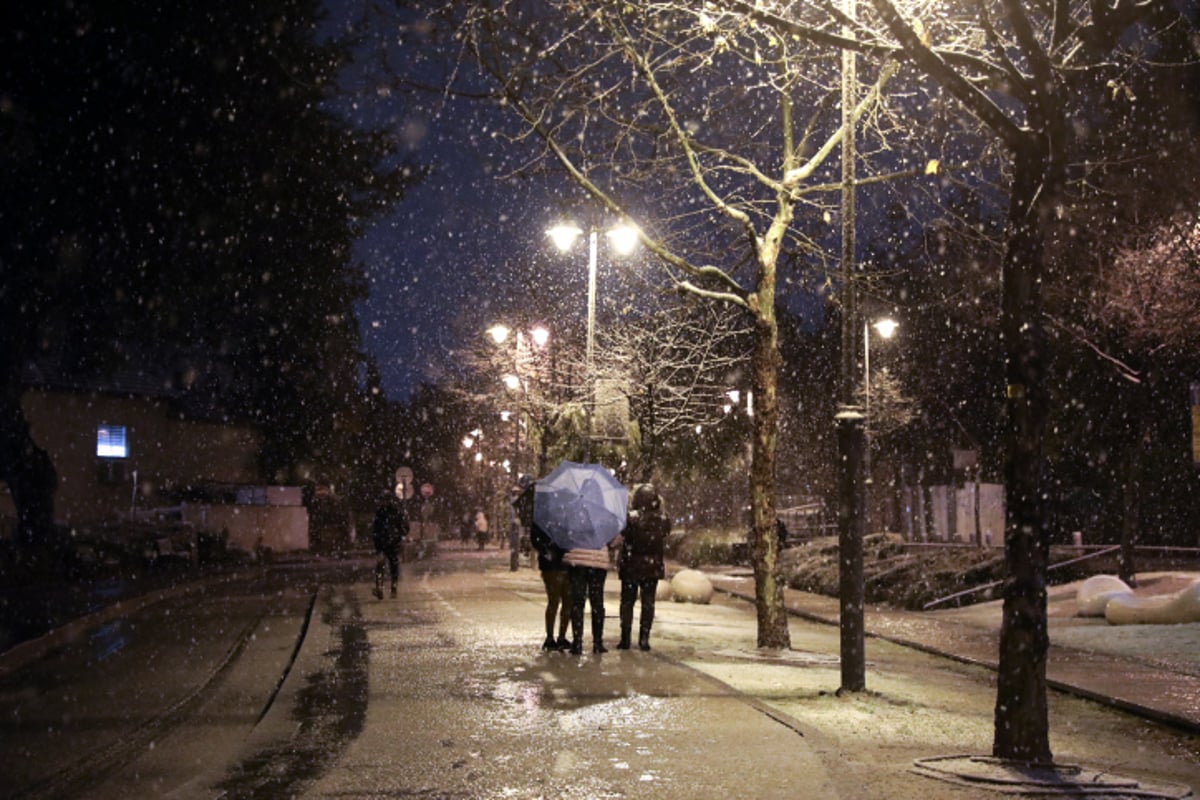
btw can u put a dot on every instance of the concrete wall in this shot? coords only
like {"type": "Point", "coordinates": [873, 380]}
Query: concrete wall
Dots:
{"type": "Point", "coordinates": [281, 528]}
{"type": "Point", "coordinates": [991, 513]}
{"type": "Point", "coordinates": [947, 513]}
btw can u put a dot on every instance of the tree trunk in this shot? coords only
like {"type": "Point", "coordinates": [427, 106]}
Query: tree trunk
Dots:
{"type": "Point", "coordinates": [1131, 491]}
{"type": "Point", "coordinates": [764, 545]}
{"type": "Point", "coordinates": [1021, 720]}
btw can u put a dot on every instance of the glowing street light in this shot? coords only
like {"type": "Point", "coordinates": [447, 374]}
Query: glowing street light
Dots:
{"type": "Point", "coordinates": [623, 239]}
{"type": "Point", "coordinates": [512, 381]}
{"type": "Point", "coordinates": [886, 328]}
{"type": "Point", "coordinates": [499, 333]}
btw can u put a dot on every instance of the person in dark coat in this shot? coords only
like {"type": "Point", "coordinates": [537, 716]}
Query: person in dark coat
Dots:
{"type": "Point", "coordinates": [640, 563]}
{"type": "Point", "coordinates": [554, 573]}
{"type": "Point", "coordinates": [388, 532]}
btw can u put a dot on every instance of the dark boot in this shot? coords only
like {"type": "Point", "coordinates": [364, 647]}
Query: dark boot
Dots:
{"type": "Point", "coordinates": [626, 625]}
{"type": "Point", "coordinates": [647, 618]}
{"type": "Point", "coordinates": [576, 629]}
{"type": "Point", "coordinates": [598, 636]}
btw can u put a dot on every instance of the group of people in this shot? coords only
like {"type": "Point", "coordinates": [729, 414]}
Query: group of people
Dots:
{"type": "Point", "coordinates": [575, 578]}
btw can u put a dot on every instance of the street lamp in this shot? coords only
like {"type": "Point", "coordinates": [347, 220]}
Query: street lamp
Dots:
{"type": "Point", "coordinates": [886, 328]}
{"type": "Point", "coordinates": [514, 382]}
{"type": "Point", "coordinates": [623, 238]}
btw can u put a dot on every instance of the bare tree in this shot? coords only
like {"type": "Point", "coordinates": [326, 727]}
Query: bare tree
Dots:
{"type": "Point", "coordinates": [689, 122]}
{"type": "Point", "coordinates": [1152, 291]}
{"type": "Point", "coordinates": [1022, 70]}
{"type": "Point", "coordinates": [533, 394]}
{"type": "Point", "coordinates": [675, 366]}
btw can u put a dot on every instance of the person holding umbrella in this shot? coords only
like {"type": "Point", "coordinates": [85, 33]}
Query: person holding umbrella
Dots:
{"type": "Point", "coordinates": [640, 564]}
{"type": "Point", "coordinates": [555, 577]}
{"type": "Point", "coordinates": [581, 508]}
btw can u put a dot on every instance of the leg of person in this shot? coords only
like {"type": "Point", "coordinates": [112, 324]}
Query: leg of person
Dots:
{"type": "Point", "coordinates": [379, 568]}
{"type": "Point", "coordinates": [393, 559]}
{"type": "Point", "coordinates": [595, 591]}
{"type": "Point", "coordinates": [649, 588]}
{"type": "Point", "coordinates": [628, 596]}
{"type": "Point", "coordinates": [578, 577]}
{"type": "Point", "coordinates": [552, 601]}
{"type": "Point", "coordinates": [562, 584]}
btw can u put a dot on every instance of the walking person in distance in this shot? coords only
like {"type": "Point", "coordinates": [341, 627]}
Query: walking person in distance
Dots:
{"type": "Point", "coordinates": [388, 532]}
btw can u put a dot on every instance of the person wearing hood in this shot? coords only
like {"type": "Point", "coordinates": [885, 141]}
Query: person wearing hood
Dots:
{"type": "Point", "coordinates": [640, 563]}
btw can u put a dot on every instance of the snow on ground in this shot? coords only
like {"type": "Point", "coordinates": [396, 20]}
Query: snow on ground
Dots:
{"type": "Point", "coordinates": [1177, 644]}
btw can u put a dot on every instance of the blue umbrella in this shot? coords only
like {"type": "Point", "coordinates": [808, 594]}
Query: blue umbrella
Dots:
{"type": "Point", "coordinates": [580, 506]}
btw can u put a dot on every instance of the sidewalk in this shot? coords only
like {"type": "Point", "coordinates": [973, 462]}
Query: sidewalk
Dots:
{"type": "Point", "coordinates": [1088, 658]}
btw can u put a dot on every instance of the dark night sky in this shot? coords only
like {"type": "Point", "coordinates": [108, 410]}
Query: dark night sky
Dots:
{"type": "Point", "coordinates": [467, 247]}
{"type": "Point", "coordinates": [462, 249]}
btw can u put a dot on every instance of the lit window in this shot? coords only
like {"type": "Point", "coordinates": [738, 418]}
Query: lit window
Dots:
{"type": "Point", "coordinates": [111, 442]}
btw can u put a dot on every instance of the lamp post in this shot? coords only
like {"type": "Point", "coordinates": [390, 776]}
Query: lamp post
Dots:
{"type": "Point", "coordinates": [850, 419]}
{"type": "Point", "coordinates": [623, 238]}
{"type": "Point", "coordinates": [886, 328]}
{"type": "Point", "coordinates": [474, 441]}
{"type": "Point", "coordinates": [515, 382]}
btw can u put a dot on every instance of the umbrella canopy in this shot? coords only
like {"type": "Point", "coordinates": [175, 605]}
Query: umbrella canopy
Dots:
{"type": "Point", "coordinates": [580, 506]}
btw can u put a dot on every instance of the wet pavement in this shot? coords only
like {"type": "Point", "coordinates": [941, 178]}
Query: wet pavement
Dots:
{"type": "Point", "coordinates": [444, 692]}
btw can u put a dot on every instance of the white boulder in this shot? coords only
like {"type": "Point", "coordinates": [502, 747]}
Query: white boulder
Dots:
{"type": "Point", "coordinates": [691, 586]}
{"type": "Point", "coordinates": [663, 591]}
{"type": "Point", "coordinates": [1163, 609]}
{"type": "Point", "coordinates": [1094, 593]}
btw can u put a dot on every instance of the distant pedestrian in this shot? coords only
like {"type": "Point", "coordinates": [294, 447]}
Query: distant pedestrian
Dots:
{"type": "Point", "coordinates": [640, 562]}
{"type": "Point", "coordinates": [466, 529]}
{"type": "Point", "coordinates": [588, 570]}
{"type": "Point", "coordinates": [515, 526]}
{"type": "Point", "coordinates": [481, 528]}
{"type": "Point", "coordinates": [388, 532]}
